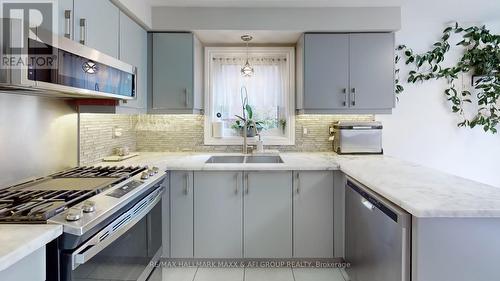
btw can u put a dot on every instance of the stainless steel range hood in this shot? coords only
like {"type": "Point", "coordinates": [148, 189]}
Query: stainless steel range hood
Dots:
{"type": "Point", "coordinates": [52, 65]}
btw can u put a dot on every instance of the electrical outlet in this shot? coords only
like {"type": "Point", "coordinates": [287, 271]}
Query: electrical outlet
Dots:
{"type": "Point", "coordinates": [117, 132]}
{"type": "Point", "coordinates": [304, 131]}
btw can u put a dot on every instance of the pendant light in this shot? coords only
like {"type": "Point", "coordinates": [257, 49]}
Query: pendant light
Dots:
{"type": "Point", "coordinates": [247, 69]}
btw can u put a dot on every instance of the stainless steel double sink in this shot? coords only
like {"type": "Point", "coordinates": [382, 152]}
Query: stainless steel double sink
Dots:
{"type": "Point", "coordinates": [245, 159]}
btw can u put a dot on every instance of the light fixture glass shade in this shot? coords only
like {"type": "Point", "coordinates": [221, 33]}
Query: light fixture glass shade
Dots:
{"type": "Point", "coordinates": [247, 70]}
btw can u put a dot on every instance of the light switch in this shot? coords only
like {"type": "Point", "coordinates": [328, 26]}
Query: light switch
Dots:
{"type": "Point", "coordinates": [304, 131]}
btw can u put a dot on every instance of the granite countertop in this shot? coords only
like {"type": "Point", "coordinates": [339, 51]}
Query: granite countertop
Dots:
{"type": "Point", "coordinates": [421, 191]}
{"type": "Point", "coordinates": [19, 241]}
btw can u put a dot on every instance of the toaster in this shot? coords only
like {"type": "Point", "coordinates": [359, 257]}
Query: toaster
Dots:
{"type": "Point", "coordinates": [357, 137]}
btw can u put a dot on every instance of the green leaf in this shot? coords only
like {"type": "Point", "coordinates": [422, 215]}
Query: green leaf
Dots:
{"type": "Point", "coordinates": [249, 111]}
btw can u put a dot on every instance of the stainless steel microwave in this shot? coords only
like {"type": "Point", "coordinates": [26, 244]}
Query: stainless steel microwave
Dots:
{"type": "Point", "coordinates": [47, 64]}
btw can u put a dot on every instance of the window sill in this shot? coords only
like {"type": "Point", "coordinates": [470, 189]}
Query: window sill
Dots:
{"type": "Point", "coordinates": [251, 141]}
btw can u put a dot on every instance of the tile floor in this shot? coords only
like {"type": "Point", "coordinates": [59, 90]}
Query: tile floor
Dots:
{"type": "Point", "coordinates": [248, 274]}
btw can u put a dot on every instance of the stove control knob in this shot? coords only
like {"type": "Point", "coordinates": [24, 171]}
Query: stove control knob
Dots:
{"type": "Point", "coordinates": [74, 215]}
{"type": "Point", "coordinates": [156, 170]}
{"type": "Point", "coordinates": [151, 172]}
{"type": "Point", "coordinates": [144, 175]}
{"type": "Point", "coordinates": [88, 207]}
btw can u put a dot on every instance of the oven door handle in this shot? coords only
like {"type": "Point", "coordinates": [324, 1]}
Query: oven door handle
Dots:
{"type": "Point", "coordinates": [115, 229]}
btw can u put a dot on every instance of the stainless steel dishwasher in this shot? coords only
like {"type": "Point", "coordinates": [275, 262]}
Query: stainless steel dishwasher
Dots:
{"type": "Point", "coordinates": [378, 236]}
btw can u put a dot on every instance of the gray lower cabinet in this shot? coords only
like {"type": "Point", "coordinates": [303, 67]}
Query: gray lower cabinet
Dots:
{"type": "Point", "coordinates": [166, 219]}
{"type": "Point", "coordinates": [313, 214]}
{"type": "Point", "coordinates": [176, 73]}
{"type": "Point", "coordinates": [181, 214]}
{"type": "Point", "coordinates": [100, 22]}
{"type": "Point", "coordinates": [345, 73]}
{"type": "Point", "coordinates": [268, 214]}
{"type": "Point", "coordinates": [218, 217]}
{"type": "Point", "coordinates": [133, 50]}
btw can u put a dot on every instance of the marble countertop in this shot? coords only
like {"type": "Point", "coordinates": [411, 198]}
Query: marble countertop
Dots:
{"type": "Point", "coordinates": [19, 241]}
{"type": "Point", "coordinates": [196, 162]}
{"type": "Point", "coordinates": [421, 191]}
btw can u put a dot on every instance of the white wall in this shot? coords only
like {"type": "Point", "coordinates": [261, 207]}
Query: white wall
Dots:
{"type": "Point", "coordinates": [422, 128]}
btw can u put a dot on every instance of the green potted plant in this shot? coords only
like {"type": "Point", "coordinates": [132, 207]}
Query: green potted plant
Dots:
{"type": "Point", "coordinates": [253, 126]}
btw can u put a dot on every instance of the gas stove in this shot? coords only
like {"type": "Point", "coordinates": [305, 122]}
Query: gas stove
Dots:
{"type": "Point", "coordinates": [104, 212]}
{"type": "Point", "coordinates": [38, 200]}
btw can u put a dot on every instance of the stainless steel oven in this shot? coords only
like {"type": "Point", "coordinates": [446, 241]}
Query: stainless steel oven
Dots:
{"type": "Point", "coordinates": [124, 249]}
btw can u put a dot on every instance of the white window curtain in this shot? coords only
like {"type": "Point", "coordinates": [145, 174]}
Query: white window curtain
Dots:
{"type": "Point", "coordinates": [266, 91]}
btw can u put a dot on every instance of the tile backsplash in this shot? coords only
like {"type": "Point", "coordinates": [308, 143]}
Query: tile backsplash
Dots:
{"type": "Point", "coordinates": [97, 139]}
{"type": "Point", "coordinates": [176, 133]}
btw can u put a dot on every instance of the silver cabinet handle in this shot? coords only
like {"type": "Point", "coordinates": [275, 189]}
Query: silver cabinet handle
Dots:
{"type": "Point", "coordinates": [353, 96]}
{"type": "Point", "coordinates": [83, 31]}
{"type": "Point", "coordinates": [67, 24]}
{"type": "Point", "coordinates": [297, 190]}
{"type": "Point", "coordinates": [247, 188]}
{"type": "Point", "coordinates": [236, 189]}
{"type": "Point", "coordinates": [186, 96]}
{"type": "Point", "coordinates": [344, 91]}
{"type": "Point", "coordinates": [186, 184]}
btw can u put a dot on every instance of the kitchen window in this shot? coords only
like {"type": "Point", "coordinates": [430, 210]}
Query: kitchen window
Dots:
{"type": "Point", "coordinates": [270, 91]}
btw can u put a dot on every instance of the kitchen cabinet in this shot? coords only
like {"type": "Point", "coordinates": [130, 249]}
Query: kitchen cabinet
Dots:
{"type": "Point", "coordinates": [313, 230]}
{"type": "Point", "coordinates": [268, 214]}
{"type": "Point", "coordinates": [133, 50]}
{"type": "Point", "coordinates": [31, 267]}
{"type": "Point", "coordinates": [96, 24]}
{"type": "Point", "coordinates": [218, 218]}
{"type": "Point", "coordinates": [181, 214]}
{"type": "Point", "coordinates": [176, 73]}
{"type": "Point", "coordinates": [166, 219]}
{"type": "Point", "coordinates": [345, 73]}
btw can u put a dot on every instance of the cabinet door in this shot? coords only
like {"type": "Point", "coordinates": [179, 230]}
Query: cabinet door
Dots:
{"type": "Point", "coordinates": [65, 18]}
{"type": "Point", "coordinates": [268, 215]}
{"type": "Point", "coordinates": [166, 218]}
{"type": "Point", "coordinates": [326, 71]}
{"type": "Point", "coordinates": [313, 214]}
{"type": "Point", "coordinates": [133, 50]}
{"type": "Point", "coordinates": [181, 214]}
{"type": "Point", "coordinates": [218, 222]}
{"type": "Point", "coordinates": [173, 73]}
{"type": "Point", "coordinates": [101, 25]}
{"type": "Point", "coordinates": [372, 71]}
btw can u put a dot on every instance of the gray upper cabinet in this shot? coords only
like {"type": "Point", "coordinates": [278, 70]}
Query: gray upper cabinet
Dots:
{"type": "Point", "coordinates": [176, 76]}
{"type": "Point", "coordinates": [218, 214]}
{"type": "Point", "coordinates": [133, 50]}
{"type": "Point", "coordinates": [371, 71]}
{"type": "Point", "coordinates": [99, 21]}
{"type": "Point", "coordinates": [313, 214]}
{"type": "Point", "coordinates": [181, 214]}
{"type": "Point", "coordinates": [345, 73]}
{"type": "Point", "coordinates": [327, 76]}
{"type": "Point", "coordinates": [268, 214]}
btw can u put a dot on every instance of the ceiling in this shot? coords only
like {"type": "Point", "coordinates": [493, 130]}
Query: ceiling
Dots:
{"type": "Point", "coordinates": [276, 3]}
{"type": "Point", "coordinates": [259, 37]}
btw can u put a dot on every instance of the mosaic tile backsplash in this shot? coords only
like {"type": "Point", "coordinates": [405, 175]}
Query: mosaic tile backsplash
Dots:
{"type": "Point", "coordinates": [177, 133]}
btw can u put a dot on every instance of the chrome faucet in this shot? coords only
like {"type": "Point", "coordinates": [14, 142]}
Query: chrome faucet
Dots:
{"type": "Point", "coordinates": [244, 101]}
{"type": "Point", "coordinates": [245, 131]}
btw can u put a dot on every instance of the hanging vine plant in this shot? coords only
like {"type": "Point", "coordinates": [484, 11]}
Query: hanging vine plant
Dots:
{"type": "Point", "coordinates": [481, 59]}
